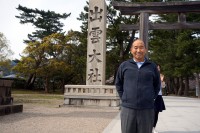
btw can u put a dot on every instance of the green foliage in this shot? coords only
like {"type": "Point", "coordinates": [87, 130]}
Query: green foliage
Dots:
{"type": "Point", "coordinates": [56, 57]}
{"type": "Point", "coordinates": [5, 54]}
{"type": "Point", "coordinates": [5, 51]}
{"type": "Point", "coordinates": [177, 51]}
{"type": "Point", "coordinates": [45, 45]}
{"type": "Point", "coordinates": [46, 22]}
{"type": "Point", "coordinates": [44, 58]}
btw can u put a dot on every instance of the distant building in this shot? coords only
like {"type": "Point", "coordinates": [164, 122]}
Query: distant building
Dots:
{"type": "Point", "coordinates": [6, 71]}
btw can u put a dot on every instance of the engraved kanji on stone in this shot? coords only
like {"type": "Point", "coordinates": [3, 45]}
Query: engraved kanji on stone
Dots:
{"type": "Point", "coordinates": [93, 76]}
{"type": "Point", "coordinates": [96, 14]}
{"type": "Point", "coordinates": [95, 34]}
{"type": "Point", "coordinates": [94, 56]}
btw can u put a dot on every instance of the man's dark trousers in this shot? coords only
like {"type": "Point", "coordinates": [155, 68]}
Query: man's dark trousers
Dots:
{"type": "Point", "coordinates": [137, 120]}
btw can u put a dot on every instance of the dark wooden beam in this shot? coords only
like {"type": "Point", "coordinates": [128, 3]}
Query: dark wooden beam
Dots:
{"type": "Point", "coordinates": [164, 26]}
{"type": "Point", "coordinates": [144, 26]}
{"type": "Point", "coordinates": [131, 8]}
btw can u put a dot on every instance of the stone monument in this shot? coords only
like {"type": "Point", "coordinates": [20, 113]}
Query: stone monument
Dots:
{"type": "Point", "coordinates": [6, 100]}
{"type": "Point", "coordinates": [96, 48]}
{"type": "Point", "coordinates": [95, 92]}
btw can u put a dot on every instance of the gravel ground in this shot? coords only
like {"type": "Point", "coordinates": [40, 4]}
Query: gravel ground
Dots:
{"type": "Point", "coordinates": [50, 118]}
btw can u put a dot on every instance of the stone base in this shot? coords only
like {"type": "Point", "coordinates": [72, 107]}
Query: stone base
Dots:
{"type": "Point", "coordinates": [9, 109]}
{"type": "Point", "coordinates": [108, 101]}
{"type": "Point", "coordinates": [6, 100]}
{"type": "Point", "coordinates": [91, 95]}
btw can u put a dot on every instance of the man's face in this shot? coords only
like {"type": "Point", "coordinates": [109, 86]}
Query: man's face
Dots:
{"type": "Point", "coordinates": [138, 50]}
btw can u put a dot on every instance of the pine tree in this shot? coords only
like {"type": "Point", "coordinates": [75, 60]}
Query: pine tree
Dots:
{"type": "Point", "coordinates": [45, 22]}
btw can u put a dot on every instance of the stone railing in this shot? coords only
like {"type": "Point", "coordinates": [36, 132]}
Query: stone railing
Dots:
{"type": "Point", "coordinates": [94, 95]}
{"type": "Point", "coordinates": [104, 90]}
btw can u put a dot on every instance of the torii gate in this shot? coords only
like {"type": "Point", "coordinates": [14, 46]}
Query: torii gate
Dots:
{"type": "Point", "coordinates": [146, 8]}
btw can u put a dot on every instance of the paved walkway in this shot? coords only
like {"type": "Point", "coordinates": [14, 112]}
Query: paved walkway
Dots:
{"type": "Point", "coordinates": [182, 115]}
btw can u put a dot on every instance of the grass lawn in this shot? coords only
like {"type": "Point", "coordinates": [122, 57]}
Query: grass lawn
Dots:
{"type": "Point", "coordinates": [36, 97]}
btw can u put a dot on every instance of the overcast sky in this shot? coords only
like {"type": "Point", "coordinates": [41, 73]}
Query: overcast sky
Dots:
{"type": "Point", "coordinates": [16, 32]}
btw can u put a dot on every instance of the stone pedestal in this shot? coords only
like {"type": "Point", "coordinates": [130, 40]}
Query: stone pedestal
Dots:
{"type": "Point", "coordinates": [6, 100]}
{"type": "Point", "coordinates": [91, 95]}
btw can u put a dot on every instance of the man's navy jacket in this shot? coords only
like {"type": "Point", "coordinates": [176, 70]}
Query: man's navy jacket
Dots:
{"type": "Point", "coordinates": [137, 87]}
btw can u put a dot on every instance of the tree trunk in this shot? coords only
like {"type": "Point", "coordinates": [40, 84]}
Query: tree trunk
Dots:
{"type": "Point", "coordinates": [171, 85]}
{"type": "Point", "coordinates": [197, 84]}
{"type": "Point", "coordinates": [46, 85]}
{"type": "Point", "coordinates": [53, 85]}
{"type": "Point", "coordinates": [165, 90]}
{"type": "Point", "coordinates": [186, 90]}
{"type": "Point", "coordinates": [63, 85]}
{"type": "Point", "coordinates": [176, 86]}
{"type": "Point", "coordinates": [180, 86]}
{"type": "Point", "coordinates": [168, 85]}
{"type": "Point", "coordinates": [30, 82]}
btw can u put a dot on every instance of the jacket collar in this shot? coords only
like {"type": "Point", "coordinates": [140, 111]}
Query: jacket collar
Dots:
{"type": "Point", "coordinates": [146, 60]}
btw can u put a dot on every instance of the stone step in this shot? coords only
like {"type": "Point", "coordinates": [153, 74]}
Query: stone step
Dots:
{"type": "Point", "coordinates": [9, 109]}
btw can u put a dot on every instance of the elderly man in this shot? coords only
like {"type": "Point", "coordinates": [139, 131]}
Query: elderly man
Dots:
{"type": "Point", "coordinates": [138, 83]}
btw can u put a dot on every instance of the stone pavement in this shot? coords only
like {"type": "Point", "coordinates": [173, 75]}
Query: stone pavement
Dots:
{"type": "Point", "coordinates": [182, 115]}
